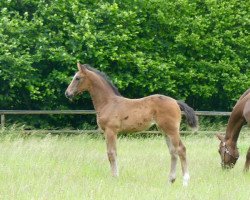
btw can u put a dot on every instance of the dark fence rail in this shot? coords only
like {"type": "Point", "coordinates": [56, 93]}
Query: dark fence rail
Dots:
{"type": "Point", "coordinates": [46, 112]}
{"type": "Point", "coordinates": [86, 112]}
{"type": "Point", "coordinates": [3, 114]}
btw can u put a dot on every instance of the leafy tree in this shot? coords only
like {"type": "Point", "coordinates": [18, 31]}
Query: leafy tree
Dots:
{"type": "Point", "coordinates": [197, 51]}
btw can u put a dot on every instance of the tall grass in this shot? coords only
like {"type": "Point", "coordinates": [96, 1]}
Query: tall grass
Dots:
{"type": "Point", "coordinates": [76, 167]}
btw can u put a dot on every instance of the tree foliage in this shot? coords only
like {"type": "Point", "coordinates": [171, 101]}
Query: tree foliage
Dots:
{"type": "Point", "coordinates": [197, 51]}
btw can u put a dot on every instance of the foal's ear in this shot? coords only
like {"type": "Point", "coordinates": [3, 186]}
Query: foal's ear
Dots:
{"type": "Point", "coordinates": [81, 67]}
{"type": "Point", "coordinates": [220, 137]}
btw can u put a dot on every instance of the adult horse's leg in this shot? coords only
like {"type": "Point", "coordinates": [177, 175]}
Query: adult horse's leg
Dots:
{"type": "Point", "coordinates": [111, 138]}
{"type": "Point", "coordinates": [247, 164]}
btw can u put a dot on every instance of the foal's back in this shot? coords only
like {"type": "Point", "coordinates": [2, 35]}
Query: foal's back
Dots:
{"type": "Point", "coordinates": [152, 105]}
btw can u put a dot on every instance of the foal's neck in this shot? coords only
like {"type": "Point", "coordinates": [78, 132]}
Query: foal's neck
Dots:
{"type": "Point", "coordinates": [100, 92]}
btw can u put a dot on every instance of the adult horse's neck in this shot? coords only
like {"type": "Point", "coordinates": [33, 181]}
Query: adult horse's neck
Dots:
{"type": "Point", "coordinates": [100, 91]}
{"type": "Point", "coordinates": [235, 123]}
{"type": "Point", "coordinates": [236, 120]}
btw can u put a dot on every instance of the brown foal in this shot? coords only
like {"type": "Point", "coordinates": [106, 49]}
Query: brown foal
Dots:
{"type": "Point", "coordinates": [228, 145]}
{"type": "Point", "coordinates": [119, 114]}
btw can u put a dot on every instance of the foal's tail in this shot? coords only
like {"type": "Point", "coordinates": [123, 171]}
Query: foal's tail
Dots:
{"type": "Point", "coordinates": [192, 119]}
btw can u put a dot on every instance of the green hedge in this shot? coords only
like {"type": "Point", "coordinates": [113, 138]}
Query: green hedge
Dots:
{"type": "Point", "coordinates": [197, 51]}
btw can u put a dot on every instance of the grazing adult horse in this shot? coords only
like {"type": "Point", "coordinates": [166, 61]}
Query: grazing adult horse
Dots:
{"type": "Point", "coordinates": [228, 145]}
{"type": "Point", "coordinates": [119, 114]}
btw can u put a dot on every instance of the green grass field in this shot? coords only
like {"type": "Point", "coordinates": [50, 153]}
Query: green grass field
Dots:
{"type": "Point", "coordinates": [76, 167]}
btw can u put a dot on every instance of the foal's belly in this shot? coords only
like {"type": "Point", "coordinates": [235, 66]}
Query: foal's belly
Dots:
{"type": "Point", "coordinates": [136, 123]}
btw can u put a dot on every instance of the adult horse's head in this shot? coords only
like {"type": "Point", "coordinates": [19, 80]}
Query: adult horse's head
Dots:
{"type": "Point", "coordinates": [79, 83]}
{"type": "Point", "coordinates": [229, 153]}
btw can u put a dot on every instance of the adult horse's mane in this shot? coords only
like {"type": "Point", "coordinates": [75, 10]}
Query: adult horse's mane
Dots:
{"type": "Point", "coordinates": [105, 78]}
{"type": "Point", "coordinates": [245, 94]}
{"type": "Point", "coordinates": [242, 96]}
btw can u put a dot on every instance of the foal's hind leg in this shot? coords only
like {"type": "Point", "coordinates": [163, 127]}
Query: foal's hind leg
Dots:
{"type": "Point", "coordinates": [247, 164]}
{"type": "Point", "coordinates": [184, 165]}
{"type": "Point", "coordinates": [111, 138]}
{"type": "Point", "coordinates": [176, 147]}
{"type": "Point", "coordinates": [173, 154]}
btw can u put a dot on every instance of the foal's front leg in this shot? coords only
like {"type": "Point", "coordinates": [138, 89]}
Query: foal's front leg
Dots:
{"type": "Point", "coordinates": [111, 138]}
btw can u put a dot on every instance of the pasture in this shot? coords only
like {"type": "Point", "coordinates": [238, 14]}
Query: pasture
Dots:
{"type": "Point", "coordinates": [76, 167]}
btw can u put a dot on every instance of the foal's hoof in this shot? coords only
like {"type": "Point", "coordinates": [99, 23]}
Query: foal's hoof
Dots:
{"type": "Point", "coordinates": [171, 180]}
{"type": "Point", "coordinates": [185, 183]}
{"type": "Point", "coordinates": [186, 178]}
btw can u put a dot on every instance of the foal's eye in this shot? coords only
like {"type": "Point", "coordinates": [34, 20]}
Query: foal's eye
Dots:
{"type": "Point", "coordinates": [77, 78]}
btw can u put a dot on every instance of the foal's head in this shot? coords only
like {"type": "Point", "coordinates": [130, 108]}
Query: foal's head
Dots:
{"type": "Point", "coordinates": [79, 83]}
{"type": "Point", "coordinates": [229, 154]}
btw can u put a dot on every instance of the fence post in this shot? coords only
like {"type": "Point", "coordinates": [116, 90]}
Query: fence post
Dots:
{"type": "Point", "coordinates": [2, 121]}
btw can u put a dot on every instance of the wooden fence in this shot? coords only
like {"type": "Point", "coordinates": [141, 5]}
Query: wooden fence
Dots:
{"type": "Point", "coordinates": [4, 113]}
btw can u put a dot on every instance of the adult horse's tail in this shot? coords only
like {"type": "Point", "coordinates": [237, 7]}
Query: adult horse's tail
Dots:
{"type": "Point", "coordinates": [192, 119]}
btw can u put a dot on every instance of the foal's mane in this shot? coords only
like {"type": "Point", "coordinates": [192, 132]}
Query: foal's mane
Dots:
{"type": "Point", "coordinates": [105, 78]}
